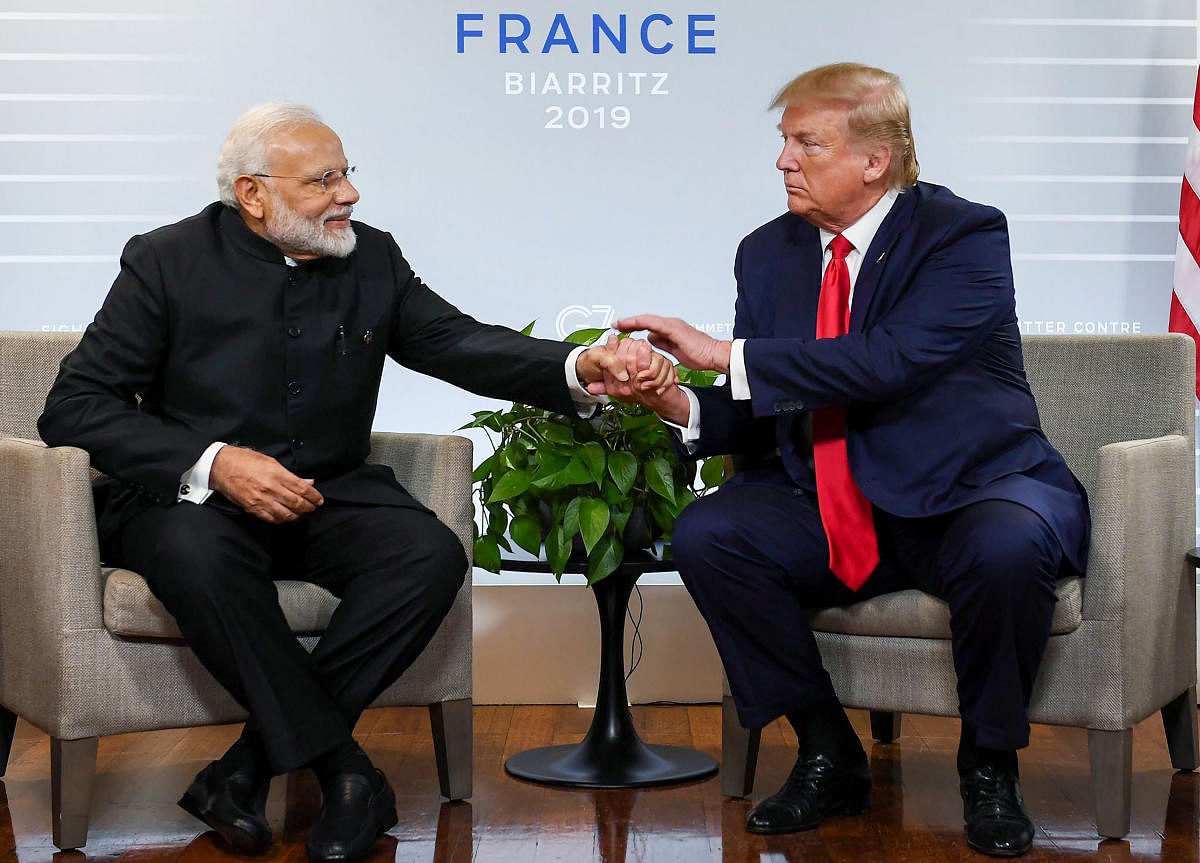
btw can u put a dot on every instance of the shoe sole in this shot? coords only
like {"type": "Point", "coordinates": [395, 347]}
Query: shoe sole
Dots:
{"type": "Point", "coordinates": [236, 839]}
{"type": "Point", "coordinates": [858, 808]}
{"type": "Point", "coordinates": [974, 847]}
{"type": "Point", "coordinates": [389, 820]}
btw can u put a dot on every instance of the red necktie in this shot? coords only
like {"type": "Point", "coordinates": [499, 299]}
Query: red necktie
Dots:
{"type": "Point", "coordinates": [845, 512]}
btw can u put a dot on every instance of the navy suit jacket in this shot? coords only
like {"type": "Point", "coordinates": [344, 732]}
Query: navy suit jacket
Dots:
{"type": "Point", "coordinates": [939, 413]}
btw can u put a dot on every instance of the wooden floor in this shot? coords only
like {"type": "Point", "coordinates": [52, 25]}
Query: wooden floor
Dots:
{"type": "Point", "coordinates": [916, 815]}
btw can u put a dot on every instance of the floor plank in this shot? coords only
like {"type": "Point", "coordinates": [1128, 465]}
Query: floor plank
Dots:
{"type": "Point", "coordinates": [916, 813]}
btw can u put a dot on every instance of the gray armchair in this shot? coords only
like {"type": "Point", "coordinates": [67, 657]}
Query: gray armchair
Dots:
{"type": "Point", "coordinates": [1123, 639]}
{"type": "Point", "coordinates": [87, 651]}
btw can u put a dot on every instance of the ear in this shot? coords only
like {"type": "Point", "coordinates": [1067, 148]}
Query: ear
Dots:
{"type": "Point", "coordinates": [879, 160]}
{"type": "Point", "coordinates": [250, 194]}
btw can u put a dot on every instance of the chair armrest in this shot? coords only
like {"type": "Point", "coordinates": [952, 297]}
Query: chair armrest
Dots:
{"type": "Point", "coordinates": [49, 563]}
{"type": "Point", "coordinates": [1143, 523]}
{"type": "Point", "coordinates": [436, 470]}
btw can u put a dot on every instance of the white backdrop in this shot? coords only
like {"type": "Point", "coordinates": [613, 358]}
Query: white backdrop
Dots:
{"type": "Point", "coordinates": [112, 112]}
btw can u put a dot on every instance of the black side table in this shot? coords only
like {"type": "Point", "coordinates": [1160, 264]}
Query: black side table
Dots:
{"type": "Point", "coordinates": [611, 755]}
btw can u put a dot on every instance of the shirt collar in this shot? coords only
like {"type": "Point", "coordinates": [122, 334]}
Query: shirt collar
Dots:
{"type": "Point", "coordinates": [862, 232]}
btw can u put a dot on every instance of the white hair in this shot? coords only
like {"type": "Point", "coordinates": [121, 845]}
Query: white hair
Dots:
{"type": "Point", "coordinates": [245, 148]}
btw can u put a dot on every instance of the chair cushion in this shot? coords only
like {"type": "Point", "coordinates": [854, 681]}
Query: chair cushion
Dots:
{"type": "Point", "coordinates": [914, 614]}
{"type": "Point", "coordinates": [132, 611]}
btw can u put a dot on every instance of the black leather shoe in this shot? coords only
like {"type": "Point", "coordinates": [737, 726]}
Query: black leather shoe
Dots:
{"type": "Point", "coordinates": [995, 814]}
{"type": "Point", "coordinates": [356, 811]}
{"type": "Point", "coordinates": [816, 788]}
{"type": "Point", "coordinates": [234, 805]}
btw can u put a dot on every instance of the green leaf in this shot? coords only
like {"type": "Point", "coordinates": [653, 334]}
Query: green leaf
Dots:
{"type": "Point", "coordinates": [696, 377]}
{"type": "Point", "coordinates": [484, 419]}
{"type": "Point", "coordinates": [586, 336]}
{"type": "Point", "coordinates": [633, 422]}
{"type": "Point", "coordinates": [658, 477]}
{"type": "Point", "coordinates": [575, 473]}
{"type": "Point", "coordinates": [558, 433]}
{"type": "Point", "coordinates": [593, 521]}
{"type": "Point", "coordinates": [497, 519]}
{"type": "Point", "coordinates": [612, 495]}
{"type": "Point", "coordinates": [528, 330]}
{"type": "Point", "coordinates": [513, 483]}
{"type": "Point", "coordinates": [527, 533]}
{"type": "Point", "coordinates": [484, 468]}
{"type": "Point", "coordinates": [622, 467]}
{"type": "Point", "coordinates": [516, 455]}
{"type": "Point", "coordinates": [712, 473]}
{"type": "Point", "coordinates": [570, 520]}
{"type": "Point", "coordinates": [605, 559]}
{"type": "Point", "coordinates": [487, 553]}
{"type": "Point", "coordinates": [558, 549]}
{"type": "Point", "coordinates": [592, 456]}
{"type": "Point", "coordinates": [620, 516]}
{"type": "Point", "coordinates": [662, 515]}
{"type": "Point", "coordinates": [549, 462]}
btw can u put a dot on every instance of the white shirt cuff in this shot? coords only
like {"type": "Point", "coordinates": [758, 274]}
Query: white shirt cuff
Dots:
{"type": "Point", "coordinates": [193, 485]}
{"type": "Point", "coordinates": [689, 434]}
{"type": "Point", "coordinates": [739, 384]}
{"type": "Point", "coordinates": [585, 402]}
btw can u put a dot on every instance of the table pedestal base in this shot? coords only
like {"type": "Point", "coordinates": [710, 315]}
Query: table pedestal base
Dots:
{"type": "Point", "coordinates": [611, 755]}
{"type": "Point", "coordinates": [578, 765]}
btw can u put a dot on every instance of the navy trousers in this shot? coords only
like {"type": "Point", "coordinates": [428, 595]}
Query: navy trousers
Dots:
{"type": "Point", "coordinates": [395, 569]}
{"type": "Point", "coordinates": [754, 557]}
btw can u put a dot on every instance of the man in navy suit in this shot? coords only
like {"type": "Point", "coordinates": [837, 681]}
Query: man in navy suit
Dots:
{"type": "Point", "coordinates": [877, 393]}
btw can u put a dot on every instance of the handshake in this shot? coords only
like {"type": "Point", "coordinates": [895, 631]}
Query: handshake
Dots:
{"type": "Point", "coordinates": [629, 370]}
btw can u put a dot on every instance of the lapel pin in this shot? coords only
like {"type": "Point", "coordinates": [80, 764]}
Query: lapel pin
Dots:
{"type": "Point", "coordinates": [882, 255]}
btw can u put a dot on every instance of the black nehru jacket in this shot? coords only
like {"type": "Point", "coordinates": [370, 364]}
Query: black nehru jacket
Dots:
{"type": "Point", "coordinates": [208, 335]}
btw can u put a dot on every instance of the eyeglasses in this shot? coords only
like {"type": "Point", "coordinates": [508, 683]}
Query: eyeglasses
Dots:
{"type": "Point", "coordinates": [329, 181]}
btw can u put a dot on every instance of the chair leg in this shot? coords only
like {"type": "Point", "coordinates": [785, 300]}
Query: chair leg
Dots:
{"type": "Point", "coordinates": [452, 723]}
{"type": "Point", "coordinates": [8, 728]}
{"type": "Point", "coordinates": [1112, 779]}
{"type": "Point", "coordinates": [739, 752]}
{"type": "Point", "coordinates": [885, 725]}
{"type": "Point", "coordinates": [72, 768]}
{"type": "Point", "coordinates": [1180, 722]}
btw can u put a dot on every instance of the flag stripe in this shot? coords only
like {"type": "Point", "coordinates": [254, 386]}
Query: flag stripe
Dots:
{"type": "Point", "coordinates": [1185, 298]}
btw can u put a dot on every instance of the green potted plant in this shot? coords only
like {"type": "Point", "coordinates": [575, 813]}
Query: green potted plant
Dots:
{"type": "Point", "coordinates": [598, 486]}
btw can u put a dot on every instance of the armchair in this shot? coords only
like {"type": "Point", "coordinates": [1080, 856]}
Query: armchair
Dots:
{"type": "Point", "coordinates": [87, 651]}
{"type": "Point", "coordinates": [1121, 410]}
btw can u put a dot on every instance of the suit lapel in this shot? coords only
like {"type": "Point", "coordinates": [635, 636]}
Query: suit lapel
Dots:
{"type": "Point", "coordinates": [876, 259]}
{"type": "Point", "coordinates": [798, 284]}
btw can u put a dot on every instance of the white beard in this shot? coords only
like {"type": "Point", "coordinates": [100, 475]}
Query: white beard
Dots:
{"type": "Point", "coordinates": [292, 231]}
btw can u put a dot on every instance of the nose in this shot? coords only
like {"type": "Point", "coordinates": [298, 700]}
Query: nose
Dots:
{"type": "Point", "coordinates": [345, 193]}
{"type": "Point", "coordinates": [787, 160]}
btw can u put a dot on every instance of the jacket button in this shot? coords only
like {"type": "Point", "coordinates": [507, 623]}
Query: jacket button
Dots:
{"type": "Point", "coordinates": [294, 388]}
{"type": "Point", "coordinates": [297, 443]}
{"type": "Point", "coordinates": [294, 332]}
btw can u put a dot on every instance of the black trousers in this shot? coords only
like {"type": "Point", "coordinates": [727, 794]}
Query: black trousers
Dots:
{"type": "Point", "coordinates": [754, 556]}
{"type": "Point", "coordinates": [395, 569]}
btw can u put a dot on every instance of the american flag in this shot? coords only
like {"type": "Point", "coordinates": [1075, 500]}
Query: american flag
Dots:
{"type": "Point", "coordinates": [1185, 299]}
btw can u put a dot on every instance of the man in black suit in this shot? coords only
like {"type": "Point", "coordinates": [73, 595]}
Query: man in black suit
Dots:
{"type": "Point", "coordinates": [227, 388]}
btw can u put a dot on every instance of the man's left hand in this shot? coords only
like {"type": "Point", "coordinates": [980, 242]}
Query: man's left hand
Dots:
{"type": "Point", "coordinates": [694, 349]}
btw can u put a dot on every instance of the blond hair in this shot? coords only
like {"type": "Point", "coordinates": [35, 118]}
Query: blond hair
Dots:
{"type": "Point", "coordinates": [877, 110]}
